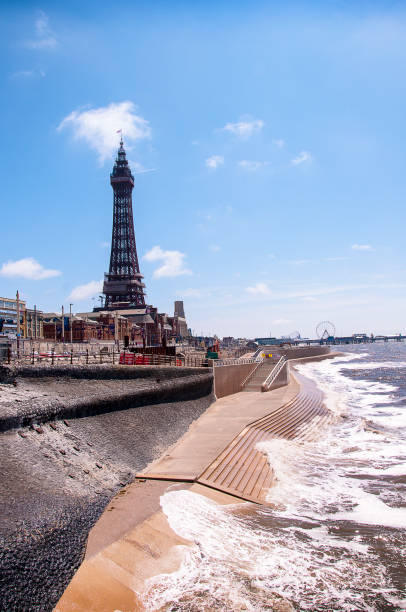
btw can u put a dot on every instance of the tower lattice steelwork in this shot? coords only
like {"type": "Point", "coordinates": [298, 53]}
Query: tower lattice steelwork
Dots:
{"type": "Point", "coordinates": [123, 286]}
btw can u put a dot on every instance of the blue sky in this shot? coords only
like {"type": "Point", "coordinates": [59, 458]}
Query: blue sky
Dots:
{"type": "Point", "coordinates": [268, 145]}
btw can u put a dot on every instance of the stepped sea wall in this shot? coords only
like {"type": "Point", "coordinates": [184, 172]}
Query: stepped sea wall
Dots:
{"type": "Point", "coordinates": [74, 439]}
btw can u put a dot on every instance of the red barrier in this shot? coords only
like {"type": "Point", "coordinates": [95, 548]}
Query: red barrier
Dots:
{"type": "Point", "coordinates": [127, 358]}
{"type": "Point", "coordinates": [142, 360]}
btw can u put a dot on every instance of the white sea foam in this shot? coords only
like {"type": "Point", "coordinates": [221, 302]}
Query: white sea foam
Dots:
{"type": "Point", "coordinates": [232, 566]}
{"type": "Point", "coordinates": [373, 365]}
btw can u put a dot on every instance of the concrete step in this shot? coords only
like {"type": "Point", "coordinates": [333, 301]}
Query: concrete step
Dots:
{"type": "Point", "coordinates": [241, 469]}
{"type": "Point", "coordinates": [255, 382]}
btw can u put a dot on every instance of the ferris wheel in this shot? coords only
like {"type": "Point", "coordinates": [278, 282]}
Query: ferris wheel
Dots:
{"type": "Point", "coordinates": [325, 330]}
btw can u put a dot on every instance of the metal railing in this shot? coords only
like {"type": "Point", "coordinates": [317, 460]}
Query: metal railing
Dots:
{"type": "Point", "coordinates": [92, 357]}
{"type": "Point", "coordinates": [247, 378]}
{"type": "Point", "coordinates": [232, 361]}
{"type": "Point", "coordinates": [274, 373]}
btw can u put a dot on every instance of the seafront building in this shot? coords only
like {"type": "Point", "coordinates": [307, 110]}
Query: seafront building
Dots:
{"type": "Point", "coordinates": [31, 322]}
{"type": "Point", "coordinates": [123, 287]}
{"type": "Point", "coordinates": [8, 316]}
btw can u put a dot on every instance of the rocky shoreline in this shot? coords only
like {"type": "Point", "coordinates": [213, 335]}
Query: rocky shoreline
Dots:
{"type": "Point", "coordinates": [58, 475]}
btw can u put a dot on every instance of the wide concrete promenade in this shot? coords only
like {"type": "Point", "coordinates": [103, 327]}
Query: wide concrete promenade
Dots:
{"type": "Point", "coordinates": [214, 430]}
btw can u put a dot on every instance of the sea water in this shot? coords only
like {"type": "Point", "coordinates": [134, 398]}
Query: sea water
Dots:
{"type": "Point", "coordinates": [334, 534]}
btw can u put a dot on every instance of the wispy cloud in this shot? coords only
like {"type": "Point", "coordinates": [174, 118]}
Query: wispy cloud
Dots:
{"type": "Point", "coordinates": [28, 74]}
{"type": "Point", "coordinates": [362, 247]}
{"type": "Point", "coordinates": [252, 166]}
{"type": "Point", "coordinates": [302, 158]}
{"type": "Point", "coordinates": [98, 126]}
{"type": "Point", "coordinates": [215, 248]}
{"type": "Point", "coordinates": [281, 321]}
{"type": "Point", "coordinates": [28, 268]}
{"type": "Point", "coordinates": [244, 128]}
{"type": "Point", "coordinates": [173, 263]}
{"type": "Point", "coordinates": [335, 258]}
{"type": "Point", "coordinates": [138, 168]}
{"type": "Point", "coordinates": [44, 37]}
{"type": "Point", "coordinates": [105, 245]}
{"type": "Point", "coordinates": [299, 262]}
{"type": "Point", "coordinates": [214, 161]}
{"type": "Point", "coordinates": [278, 142]}
{"type": "Point", "coordinates": [258, 289]}
{"type": "Point", "coordinates": [190, 293]}
{"type": "Point", "coordinates": [84, 292]}
{"type": "Point", "coordinates": [309, 298]}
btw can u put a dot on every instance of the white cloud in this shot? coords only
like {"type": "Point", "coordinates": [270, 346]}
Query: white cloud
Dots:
{"type": "Point", "coordinates": [302, 158]}
{"type": "Point", "coordinates": [98, 126]}
{"type": "Point", "coordinates": [362, 247]}
{"type": "Point", "coordinates": [229, 208]}
{"type": "Point", "coordinates": [214, 161]}
{"type": "Point", "coordinates": [44, 36]}
{"type": "Point", "coordinates": [244, 129]}
{"type": "Point", "coordinates": [258, 289]}
{"type": "Point", "coordinates": [138, 168]}
{"type": "Point", "coordinates": [173, 262]}
{"type": "Point", "coordinates": [191, 293]}
{"type": "Point", "coordinates": [105, 245]}
{"type": "Point", "coordinates": [27, 268]}
{"type": "Point", "coordinates": [28, 74]}
{"type": "Point", "coordinates": [84, 292]}
{"type": "Point", "coordinates": [299, 262]}
{"type": "Point", "coordinates": [309, 298]}
{"type": "Point", "coordinates": [215, 248]}
{"type": "Point", "coordinates": [278, 142]}
{"type": "Point", "coordinates": [252, 165]}
{"type": "Point", "coordinates": [281, 321]}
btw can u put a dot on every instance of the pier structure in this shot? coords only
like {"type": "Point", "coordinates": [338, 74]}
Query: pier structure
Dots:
{"type": "Point", "coordinates": [332, 341]}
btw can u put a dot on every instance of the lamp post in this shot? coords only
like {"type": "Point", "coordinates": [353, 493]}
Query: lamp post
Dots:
{"type": "Point", "coordinates": [18, 324]}
{"type": "Point", "coordinates": [116, 333]}
{"type": "Point", "coordinates": [70, 321]}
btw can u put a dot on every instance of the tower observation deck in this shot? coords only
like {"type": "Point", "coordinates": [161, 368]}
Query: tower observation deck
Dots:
{"type": "Point", "coordinates": [123, 286]}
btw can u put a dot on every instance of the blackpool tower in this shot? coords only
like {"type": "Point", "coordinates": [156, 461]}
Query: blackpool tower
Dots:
{"type": "Point", "coordinates": [123, 286]}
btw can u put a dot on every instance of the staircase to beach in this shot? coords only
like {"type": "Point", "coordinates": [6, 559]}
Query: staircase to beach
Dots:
{"type": "Point", "coordinates": [255, 381]}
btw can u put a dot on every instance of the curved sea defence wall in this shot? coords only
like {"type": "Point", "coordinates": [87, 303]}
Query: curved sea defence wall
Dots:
{"type": "Point", "coordinates": [72, 438]}
{"type": "Point", "coordinates": [42, 394]}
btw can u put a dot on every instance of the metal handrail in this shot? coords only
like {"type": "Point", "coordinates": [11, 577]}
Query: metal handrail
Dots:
{"type": "Point", "coordinates": [244, 382]}
{"type": "Point", "coordinates": [276, 370]}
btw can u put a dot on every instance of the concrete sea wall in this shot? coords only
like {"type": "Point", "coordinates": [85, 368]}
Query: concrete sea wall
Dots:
{"type": "Point", "coordinates": [120, 387]}
{"type": "Point", "coordinates": [58, 476]}
{"type": "Point", "coordinates": [228, 378]}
